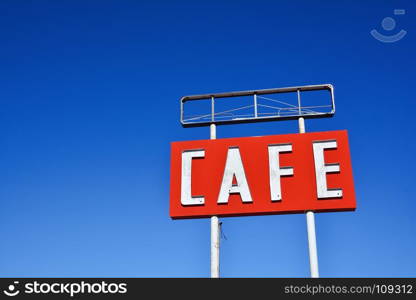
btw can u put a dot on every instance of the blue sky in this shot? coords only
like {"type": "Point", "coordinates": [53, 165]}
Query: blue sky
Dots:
{"type": "Point", "coordinates": [89, 102]}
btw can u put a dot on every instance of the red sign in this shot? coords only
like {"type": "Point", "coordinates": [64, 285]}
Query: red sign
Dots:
{"type": "Point", "coordinates": [276, 174]}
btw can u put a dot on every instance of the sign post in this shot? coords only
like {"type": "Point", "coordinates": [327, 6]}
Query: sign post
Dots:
{"type": "Point", "coordinates": [215, 229]}
{"type": "Point", "coordinates": [277, 174]}
{"type": "Point", "coordinates": [310, 216]}
{"type": "Point", "coordinates": [310, 224]}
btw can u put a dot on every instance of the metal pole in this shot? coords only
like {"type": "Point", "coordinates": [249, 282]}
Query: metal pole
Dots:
{"type": "Point", "coordinates": [301, 125]}
{"type": "Point", "coordinates": [215, 230]}
{"type": "Point", "coordinates": [212, 114]}
{"type": "Point", "coordinates": [310, 223]}
{"type": "Point", "coordinates": [313, 252]}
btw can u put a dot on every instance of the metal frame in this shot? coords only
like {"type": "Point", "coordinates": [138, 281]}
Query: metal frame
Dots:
{"type": "Point", "coordinates": [255, 94]}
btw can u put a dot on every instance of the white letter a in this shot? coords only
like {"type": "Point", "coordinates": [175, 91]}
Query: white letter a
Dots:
{"type": "Point", "coordinates": [234, 167]}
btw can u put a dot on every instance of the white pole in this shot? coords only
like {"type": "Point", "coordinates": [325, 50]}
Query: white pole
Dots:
{"type": "Point", "coordinates": [310, 223]}
{"type": "Point", "coordinates": [213, 132]}
{"type": "Point", "coordinates": [215, 230]}
{"type": "Point", "coordinates": [313, 252]}
{"type": "Point", "coordinates": [301, 125]}
{"type": "Point", "coordinates": [215, 247]}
